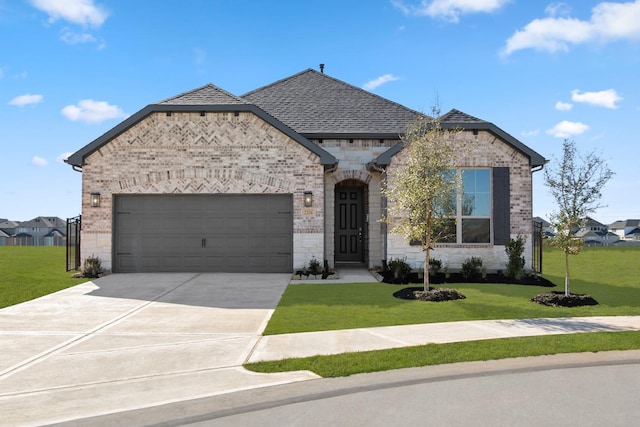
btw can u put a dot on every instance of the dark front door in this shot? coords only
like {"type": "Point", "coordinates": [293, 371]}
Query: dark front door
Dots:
{"type": "Point", "coordinates": [349, 236]}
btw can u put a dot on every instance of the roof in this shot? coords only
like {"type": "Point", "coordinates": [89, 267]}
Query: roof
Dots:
{"type": "Point", "coordinates": [317, 105]}
{"type": "Point", "coordinates": [204, 95]}
{"type": "Point", "coordinates": [45, 222]}
{"type": "Point", "coordinates": [456, 119]}
{"type": "Point", "coordinates": [626, 223]}
{"type": "Point", "coordinates": [310, 104]}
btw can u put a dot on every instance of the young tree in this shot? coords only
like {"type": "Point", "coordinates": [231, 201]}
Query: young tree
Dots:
{"type": "Point", "coordinates": [422, 193]}
{"type": "Point", "coordinates": [576, 184]}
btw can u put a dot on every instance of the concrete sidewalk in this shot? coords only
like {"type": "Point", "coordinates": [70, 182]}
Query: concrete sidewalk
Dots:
{"type": "Point", "coordinates": [285, 346]}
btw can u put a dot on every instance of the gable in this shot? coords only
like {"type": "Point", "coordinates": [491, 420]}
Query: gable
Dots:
{"type": "Point", "coordinates": [77, 159]}
{"type": "Point", "coordinates": [455, 119]}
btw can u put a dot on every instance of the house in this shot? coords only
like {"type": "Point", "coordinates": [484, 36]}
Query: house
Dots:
{"type": "Point", "coordinates": [292, 171]}
{"type": "Point", "coordinates": [40, 231]}
{"type": "Point", "coordinates": [594, 233]}
{"type": "Point", "coordinates": [628, 230]}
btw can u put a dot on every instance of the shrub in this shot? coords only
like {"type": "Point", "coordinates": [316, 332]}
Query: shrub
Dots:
{"type": "Point", "coordinates": [471, 268]}
{"type": "Point", "coordinates": [92, 267]}
{"type": "Point", "coordinates": [514, 249]}
{"type": "Point", "coordinates": [400, 267]}
{"type": "Point", "coordinates": [434, 266]}
{"type": "Point", "coordinates": [314, 266]}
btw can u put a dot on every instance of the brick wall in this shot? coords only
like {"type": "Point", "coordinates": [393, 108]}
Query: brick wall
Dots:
{"type": "Point", "coordinates": [187, 153]}
{"type": "Point", "coordinates": [488, 151]}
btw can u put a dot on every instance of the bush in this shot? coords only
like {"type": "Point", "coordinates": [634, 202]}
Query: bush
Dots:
{"type": "Point", "coordinates": [314, 266]}
{"type": "Point", "coordinates": [434, 266]}
{"type": "Point", "coordinates": [399, 267]}
{"type": "Point", "coordinates": [92, 267]}
{"type": "Point", "coordinates": [514, 249]}
{"type": "Point", "coordinates": [471, 268]}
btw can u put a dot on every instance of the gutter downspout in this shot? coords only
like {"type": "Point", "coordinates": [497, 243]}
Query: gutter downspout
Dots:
{"type": "Point", "coordinates": [76, 168]}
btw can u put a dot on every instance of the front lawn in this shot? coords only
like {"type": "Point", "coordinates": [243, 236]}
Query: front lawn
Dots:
{"type": "Point", "coordinates": [28, 272]}
{"type": "Point", "coordinates": [610, 275]}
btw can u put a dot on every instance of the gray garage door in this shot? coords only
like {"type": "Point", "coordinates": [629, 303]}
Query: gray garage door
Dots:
{"type": "Point", "coordinates": [203, 233]}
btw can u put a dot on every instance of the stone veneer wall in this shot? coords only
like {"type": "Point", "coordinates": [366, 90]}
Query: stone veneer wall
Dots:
{"type": "Point", "coordinates": [353, 156]}
{"type": "Point", "coordinates": [489, 151]}
{"type": "Point", "coordinates": [187, 153]}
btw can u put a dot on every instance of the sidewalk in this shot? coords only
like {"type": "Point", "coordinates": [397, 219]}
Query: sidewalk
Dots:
{"type": "Point", "coordinates": [285, 346]}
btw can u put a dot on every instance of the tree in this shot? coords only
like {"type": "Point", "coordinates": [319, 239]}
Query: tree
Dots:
{"type": "Point", "coordinates": [422, 193]}
{"type": "Point", "coordinates": [576, 184]}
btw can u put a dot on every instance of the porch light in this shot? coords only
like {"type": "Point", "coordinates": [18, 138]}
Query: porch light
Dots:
{"type": "Point", "coordinates": [95, 200]}
{"type": "Point", "coordinates": [308, 199]}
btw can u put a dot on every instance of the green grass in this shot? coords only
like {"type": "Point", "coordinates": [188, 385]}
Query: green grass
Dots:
{"type": "Point", "coordinates": [610, 275]}
{"type": "Point", "coordinates": [29, 272]}
{"type": "Point", "coordinates": [437, 354]}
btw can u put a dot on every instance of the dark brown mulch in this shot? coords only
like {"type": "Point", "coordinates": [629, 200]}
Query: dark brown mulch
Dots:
{"type": "Point", "coordinates": [559, 299]}
{"type": "Point", "coordinates": [433, 295]}
{"type": "Point", "coordinates": [440, 278]}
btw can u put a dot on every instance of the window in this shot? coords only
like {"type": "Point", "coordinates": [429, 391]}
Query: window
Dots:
{"type": "Point", "coordinates": [472, 223]}
{"type": "Point", "coordinates": [475, 208]}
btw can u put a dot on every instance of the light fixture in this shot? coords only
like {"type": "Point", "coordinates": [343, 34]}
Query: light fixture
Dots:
{"type": "Point", "coordinates": [308, 199]}
{"type": "Point", "coordinates": [95, 200]}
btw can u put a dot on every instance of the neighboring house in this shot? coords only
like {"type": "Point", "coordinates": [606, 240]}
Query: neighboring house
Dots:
{"type": "Point", "coordinates": [40, 231]}
{"type": "Point", "coordinates": [628, 230]}
{"type": "Point", "coordinates": [594, 233]}
{"type": "Point", "coordinates": [547, 229]}
{"type": "Point", "coordinates": [264, 182]}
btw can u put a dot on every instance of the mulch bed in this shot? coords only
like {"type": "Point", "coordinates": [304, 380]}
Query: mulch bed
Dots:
{"type": "Point", "coordinates": [440, 279]}
{"type": "Point", "coordinates": [559, 299]}
{"type": "Point", "coordinates": [433, 295]}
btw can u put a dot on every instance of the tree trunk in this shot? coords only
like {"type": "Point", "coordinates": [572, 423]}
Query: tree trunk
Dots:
{"type": "Point", "coordinates": [427, 257]}
{"type": "Point", "coordinates": [566, 274]}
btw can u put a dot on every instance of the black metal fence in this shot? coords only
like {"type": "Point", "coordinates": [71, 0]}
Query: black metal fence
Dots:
{"type": "Point", "coordinates": [73, 243]}
{"type": "Point", "coordinates": [537, 247]}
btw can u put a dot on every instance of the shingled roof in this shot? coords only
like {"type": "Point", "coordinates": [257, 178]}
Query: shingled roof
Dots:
{"type": "Point", "coordinates": [206, 95]}
{"type": "Point", "coordinates": [316, 105]}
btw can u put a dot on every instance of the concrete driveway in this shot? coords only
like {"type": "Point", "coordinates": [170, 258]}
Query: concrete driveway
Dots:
{"type": "Point", "coordinates": [129, 341]}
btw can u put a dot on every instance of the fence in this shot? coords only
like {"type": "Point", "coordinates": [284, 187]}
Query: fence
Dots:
{"type": "Point", "coordinates": [537, 247]}
{"type": "Point", "coordinates": [73, 243]}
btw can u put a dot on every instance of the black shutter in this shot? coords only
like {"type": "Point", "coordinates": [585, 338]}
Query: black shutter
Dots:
{"type": "Point", "coordinates": [501, 206]}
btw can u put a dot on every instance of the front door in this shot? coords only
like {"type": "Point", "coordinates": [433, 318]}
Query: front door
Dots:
{"type": "Point", "coordinates": [349, 237]}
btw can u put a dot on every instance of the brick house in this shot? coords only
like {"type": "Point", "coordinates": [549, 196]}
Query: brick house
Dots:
{"type": "Point", "coordinates": [209, 181]}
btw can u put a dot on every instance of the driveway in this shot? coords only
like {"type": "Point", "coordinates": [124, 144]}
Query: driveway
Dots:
{"type": "Point", "coordinates": [129, 341]}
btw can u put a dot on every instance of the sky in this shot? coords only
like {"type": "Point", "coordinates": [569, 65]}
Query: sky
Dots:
{"type": "Point", "coordinates": [70, 70]}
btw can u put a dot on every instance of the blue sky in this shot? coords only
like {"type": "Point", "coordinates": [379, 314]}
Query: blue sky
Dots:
{"type": "Point", "coordinates": [70, 70]}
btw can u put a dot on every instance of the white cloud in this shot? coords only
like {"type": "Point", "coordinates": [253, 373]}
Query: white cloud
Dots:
{"type": "Point", "coordinates": [530, 132]}
{"type": "Point", "coordinates": [608, 22]}
{"type": "Point", "coordinates": [91, 111]}
{"type": "Point", "coordinates": [563, 106]}
{"type": "Point", "coordinates": [450, 10]}
{"type": "Point", "coordinates": [557, 9]}
{"type": "Point", "coordinates": [62, 157]}
{"type": "Point", "coordinates": [83, 12]}
{"type": "Point", "coordinates": [373, 84]}
{"type": "Point", "coordinates": [71, 37]}
{"type": "Point", "coordinates": [566, 129]}
{"type": "Point", "coordinates": [27, 99]}
{"type": "Point", "coordinates": [604, 98]}
{"type": "Point", "coordinates": [39, 161]}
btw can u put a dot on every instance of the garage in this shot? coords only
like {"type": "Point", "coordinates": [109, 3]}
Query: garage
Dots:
{"type": "Point", "coordinates": [203, 233]}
